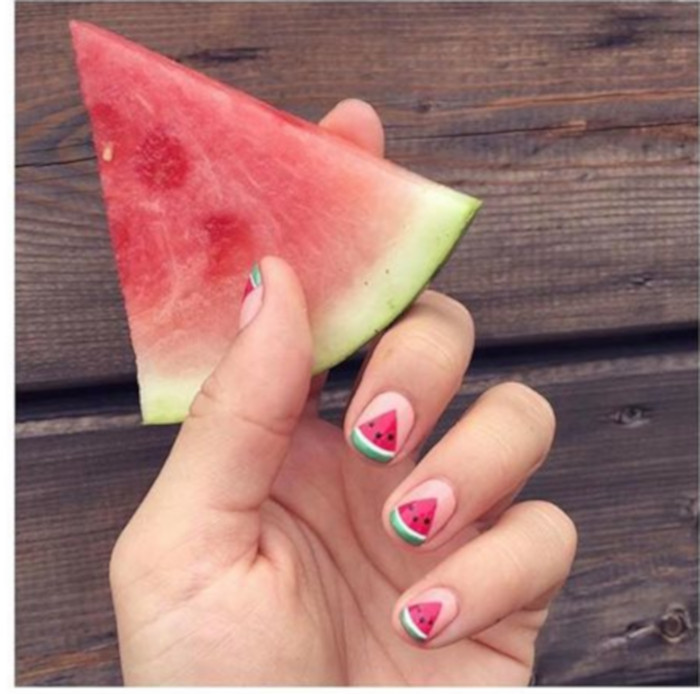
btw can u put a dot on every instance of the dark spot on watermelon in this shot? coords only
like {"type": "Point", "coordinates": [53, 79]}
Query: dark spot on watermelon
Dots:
{"type": "Point", "coordinates": [107, 121]}
{"type": "Point", "coordinates": [378, 435]}
{"type": "Point", "coordinates": [161, 162]}
{"type": "Point", "coordinates": [219, 228]}
{"type": "Point", "coordinates": [426, 521]}
{"type": "Point", "coordinates": [415, 519]}
{"type": "Point", "coordinates": [422, 620]}
{"type": "Point", "coordinates": [390, 437]}
{"type": "Point", "coordinates": [431, 622]}
{"type": "Point", "coordinates": [371, 424]}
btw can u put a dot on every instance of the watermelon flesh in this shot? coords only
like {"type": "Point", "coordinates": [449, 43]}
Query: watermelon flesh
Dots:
{"type": "Point", "coordinates": [201, 181]}
{"type": "Point", "coordinates": [412, 521]}
{"type": "Point", "coordinates": [419, 620]}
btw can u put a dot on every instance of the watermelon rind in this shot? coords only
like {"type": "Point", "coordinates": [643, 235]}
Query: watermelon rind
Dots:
{"type": "Point", "coordinates": [439, 219]}
{"type": "Point", "coordinates": [404, 532]}
{"type": "Point", "coordinates": [167, 401]}
{"type": "Point", "coordinates": [409, 625]}
{"type": "Point", "coordinates": [366, 447]}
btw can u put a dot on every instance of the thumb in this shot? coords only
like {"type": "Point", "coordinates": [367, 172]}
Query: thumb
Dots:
{"type": "Point", "coordinates": [240, 425]}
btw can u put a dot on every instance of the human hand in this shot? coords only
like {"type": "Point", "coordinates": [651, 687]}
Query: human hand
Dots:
{"type": "Point", "coordinates": [266, 551]}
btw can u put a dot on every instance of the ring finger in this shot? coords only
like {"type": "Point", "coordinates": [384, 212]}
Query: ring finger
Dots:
{"type": "Point", "coordinates": [412, 374]}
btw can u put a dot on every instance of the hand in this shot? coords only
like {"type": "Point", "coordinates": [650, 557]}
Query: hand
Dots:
{"type": "Point", "coordinates": [268, 552]}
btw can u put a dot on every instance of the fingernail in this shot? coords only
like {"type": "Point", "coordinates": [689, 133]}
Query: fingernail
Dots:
{"type": "Point", "coordinates": [427, 614]}
{"type": "Point", "coordinates": [423, 511]}
{"type": "Point", "coordinates": [252, 297]}
{"type": "Point", "coordinates": [383, 427]}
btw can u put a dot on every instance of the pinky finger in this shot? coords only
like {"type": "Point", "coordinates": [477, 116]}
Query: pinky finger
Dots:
{"type": "Point", "coordinates": [525, 556]}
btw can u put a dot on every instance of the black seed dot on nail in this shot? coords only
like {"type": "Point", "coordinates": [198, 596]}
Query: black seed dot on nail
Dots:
{"type": "Point", "coordinates": [415, 519]}
{"type": "Point", "coordinates": [371, 424]}
{"type": "Point", "coordinates": [390, 437]}
{"type": "Point", "coordinates": [422, 619]}
{"type": "Point", "coordinates": [426, 521]}
{"type": "Point", "coordinates": [377, 436]}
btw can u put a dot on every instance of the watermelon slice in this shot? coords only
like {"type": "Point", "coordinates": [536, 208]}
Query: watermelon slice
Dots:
{"type": "Point", "coordinates": [376, 438]}
{"type": "Point", "coordinates": [412, 521]}
{"type": "Point", "coordinates": [418, 620]}
{"type": "Point", "coordinates": [201, 181]}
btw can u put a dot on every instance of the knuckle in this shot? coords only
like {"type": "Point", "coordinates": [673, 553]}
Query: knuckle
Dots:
{"type": "Point", "coordinates": [425, 347]}
{"type": "Point", "coordinates": [528, 405]}
{"type": "Point", "coordinates": [456, 313]}
{"type": "Point", "coordinates": [557, 526]}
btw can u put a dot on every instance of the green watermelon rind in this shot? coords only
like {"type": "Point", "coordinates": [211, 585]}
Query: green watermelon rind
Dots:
{"type": "Point", "coordinates": [403, 531]}
{"type": "Point", "coordinates": [442, 217]}
{"type": "Point", "coordinates": [366, 447]}
{"type": "Point", "coordinates": [410, 627]}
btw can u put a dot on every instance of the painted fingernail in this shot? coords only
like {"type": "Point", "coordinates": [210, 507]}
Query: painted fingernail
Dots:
{"type": "Point", "coordinates": [383, 427]}
{"type": "Point", "coordinates": [427, 614]}
{"type": "Point", "coordinates": [423, 511]}
{"type": "Point", "coordinates": [252, 297]}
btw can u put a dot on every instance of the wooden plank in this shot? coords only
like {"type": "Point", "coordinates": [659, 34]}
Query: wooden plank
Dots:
{"type": "Point", "coordinates": [577, 124]}
{"type": "Point", "coordinates": [624, 466]}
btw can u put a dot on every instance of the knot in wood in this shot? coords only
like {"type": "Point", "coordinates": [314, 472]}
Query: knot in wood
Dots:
{"type": "Point", "coordinates": [674, 624]}
{"type": "Point", "coordinates": [632, 416]}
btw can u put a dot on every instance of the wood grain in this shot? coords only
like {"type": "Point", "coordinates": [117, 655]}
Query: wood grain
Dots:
{"type": "Point", "coordinates": [624, 466]}
{"type": "Point", "coordinates": [577, 125]}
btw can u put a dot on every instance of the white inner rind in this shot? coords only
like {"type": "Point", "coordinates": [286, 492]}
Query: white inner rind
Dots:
{"type": "Point", "coordinates": [411, 625]}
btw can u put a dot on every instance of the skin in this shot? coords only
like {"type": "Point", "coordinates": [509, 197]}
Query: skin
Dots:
{"type": "Point", "coordinates": [263, 553]}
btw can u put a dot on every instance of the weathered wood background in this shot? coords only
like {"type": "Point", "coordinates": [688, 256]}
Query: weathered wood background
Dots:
{"type": "Point", "coordinates": [576, 124]}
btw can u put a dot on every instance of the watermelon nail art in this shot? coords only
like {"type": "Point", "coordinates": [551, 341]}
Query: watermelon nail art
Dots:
{"type": "Point", "coordinates": [413, 521]}
{"type": "Point", "coordinates": [428, 614]}
{"type": "Point", "coordinates": [423, 511]}
{"type": "Point", "coordinates": [254, 281]}
{"type": "Point", "coordinates": [252, 297]}
{"type": "Point", "coordinates": [383, 427]}
{"type": "Point", "coordinates": [419, 619]}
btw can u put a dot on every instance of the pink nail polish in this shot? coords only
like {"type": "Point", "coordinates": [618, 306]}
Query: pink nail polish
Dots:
{"type": "Point", "coordinates": [427, 614]}
{"type": "Point", "coordinates": [423, 511]}
{"type": "Point", "coordinates": [383, 427]}
{"type": "Point", "coordinates": [252, 297]}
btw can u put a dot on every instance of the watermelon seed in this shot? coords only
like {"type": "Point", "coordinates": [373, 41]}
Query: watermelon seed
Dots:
{"type": "Point", "coordinates": [415, 519]}
{"type": "Point", "coordinates": [378, 435]}
{"type": "Point", "coordinates": [390, 437]}
{"type": "Point", "coordinates": [422, 620]}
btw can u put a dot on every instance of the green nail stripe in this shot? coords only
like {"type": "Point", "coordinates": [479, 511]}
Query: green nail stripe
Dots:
{"type": "Point", "coordinates": [368, 449]}
{"type": "Point", "coordinates": [255, 276]}
{"type": "Point", "coordinates": [404, 532]}
{"type": "Point", "coordinates": [411, 629]}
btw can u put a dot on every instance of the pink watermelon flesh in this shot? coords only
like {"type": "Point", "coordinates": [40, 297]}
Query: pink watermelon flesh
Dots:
{"type": "Point", "coordinates": [201, 181]}
{"type": "Point", "coordinates": [381, 431]}
{"type": "Point", "coordinates": [425, 615]}
{"type": "Point", "coordinates": [418, 515]}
